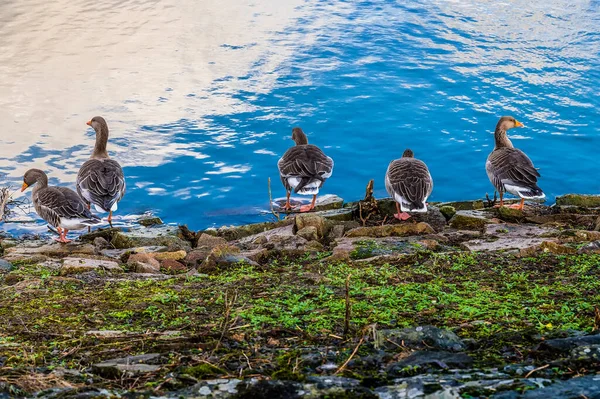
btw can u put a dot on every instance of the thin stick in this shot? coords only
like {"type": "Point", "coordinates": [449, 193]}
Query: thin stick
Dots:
{"type": "Point", "coordinates": [5, 197]}
{"type": "Point", "coordinates": [534, 370]}
{"type": "Point", "coordinates": [271, 202]}
{"type": "Point", "coordinates": [362, 339]}
{"type": "Point", "coordinates": [348, 307]}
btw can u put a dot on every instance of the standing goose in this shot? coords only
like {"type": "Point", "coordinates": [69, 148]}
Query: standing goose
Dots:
{"type": "Point", "coordinates": [409, 183]}
{"type": "Point", "coordinates": [100, 180]}
{"type": "Point", "coordinates": [61, 207]}
{"type": "Point", "coordinates": [304, 168]}
{"type": "Point", "coordinates": [509, 169]}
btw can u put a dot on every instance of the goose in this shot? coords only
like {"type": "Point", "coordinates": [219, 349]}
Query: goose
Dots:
{"type": "Point", "coordinates": [409, 183]}
{"type": "Point", "coordinates": [304, 168]}
{"type": "Point", "coordinates": [509, 169]}
{"type": "Point", "coordinates": [100, 180]}
{"type": "Point", "coordinates": [61, 207]}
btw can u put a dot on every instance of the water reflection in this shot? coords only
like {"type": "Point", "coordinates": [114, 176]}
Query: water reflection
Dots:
{"type": "Point", "coordinates": [201, 96]}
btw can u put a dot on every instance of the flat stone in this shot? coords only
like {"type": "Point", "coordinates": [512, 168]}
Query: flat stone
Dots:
{"type": "Point", "coordinates": [500, 237]}
{"type": "Point", "coordinates": [327, 202]}
{"type": "Point", "coordinates": [84, 265]}
{"type": "Point", "coordinates": [588, 201]}
{"type": "Point", "coordinates": [565, 345]}
{"type": "Point", "coordinates": [231, 233]}
{"type": "Point", "coordinates": [177, 255]}
{"type": "Point", "coordinates": [358, 248]}
{"type": "Point", "coordinates": [131, 365]}
{"type": "Point", "coordinates": [421, 337]}
{"type": "Point", "coordinates": [510, 215]}
{"type": "Point", "coordinates": [581, 387]}
{"type": "Point", "coordinates": [337, 215]}
{"type": "Point", "coordinates": [392, 230]}
{"type": "Point", "coordinates": [464, 205]}
{"type": "Point", "coordinates": [591, 248]}
{"type": "Point", "coordinates": [164, 235]}
{"type": "Point", "coordinates": [436, 359]}
{"type": "Point", "coordinates": [469, 220]}
{"type": "Point", "coordinates": [27, 250]}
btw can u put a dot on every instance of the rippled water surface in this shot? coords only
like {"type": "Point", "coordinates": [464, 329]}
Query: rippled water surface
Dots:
{"type": "Point", "coordinates": [201, 96]}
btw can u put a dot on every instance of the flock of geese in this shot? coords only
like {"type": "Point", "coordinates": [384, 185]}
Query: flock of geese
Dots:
{"type": "Point", "coordinates": [303, 168]}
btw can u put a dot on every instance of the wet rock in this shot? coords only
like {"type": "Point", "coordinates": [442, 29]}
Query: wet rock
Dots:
{"type": "Point", "coordinates": [464, 205]}
{"type": "Point", "coordinates": [588, 201]}
{"type": "Point", "coordinates": [579, 236]}
{"type": "Point", "coordinates": [565, 345]}
{"type": "Point", "coordinates": [421, 337]}
{"type": "Point", "coordinates": [5, 266]}
{"type": "Point", "coordinates": [391, 230]}
{"type": "Point", "coordinates": [448, 211]}
{"type": "Point", "coordinates": [510, 215]}
{"type": "Point", "coordinates": [144, 263]}
{"type": "Point", "coordinates": [435, 359]}
{"type": "Point", "coordinates": [337, 215]}
{"type": "Point", "coordinates": [582, 387]}
{"type": "Point", "coordinates": [129, 366]}
{"type": "Point", "coordinates": [83, 265]}
{"type": "Point", "coordinates": [327, 202]}
{"type": "Point", "coordinates": [469, 220]}
{"type": "Point", "coordinates": [177, 255]}
{"type": "Point", "coordinates": [305, 220]}
{"type": "Point", "coordinates": [150, 221]}
{"type": "Point", "coordinates": [359, 248]}
{"type": "Point", "coordinates": [309, 233]}
{"type": "Point", "coordinates": [171, 266]}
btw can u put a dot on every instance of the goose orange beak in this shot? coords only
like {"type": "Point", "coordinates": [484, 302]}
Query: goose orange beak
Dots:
{"type": "Point", "coordinates": [519, 124]}
{"type": "Point", "coordinates": [89, 123]}
{"type": "Point", "coordinates": [24, 187]}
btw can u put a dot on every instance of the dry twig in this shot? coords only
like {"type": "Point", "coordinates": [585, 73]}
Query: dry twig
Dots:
{"type": "Point", "coordinates": [343, 366]}
{"type": "Point", "coordinates": [537, 369]}
{"type": "Point", "coordinates": [271, 202]}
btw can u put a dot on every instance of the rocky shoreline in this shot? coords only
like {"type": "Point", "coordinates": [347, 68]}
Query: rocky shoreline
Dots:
{"type": "Point", "coordinates": [466, 300]}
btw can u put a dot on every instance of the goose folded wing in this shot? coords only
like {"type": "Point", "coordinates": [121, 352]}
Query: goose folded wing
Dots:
{"type": "Point", "coordinates": [102, 181]}
{"type": "Point", "coordinates": [305, 162]}
{"type": "Point", "coordinates": [410, 180]}
{"type": "Point", "coordinates": [512, 165]}
{"type": "Point", "coordinates": [55, 201]}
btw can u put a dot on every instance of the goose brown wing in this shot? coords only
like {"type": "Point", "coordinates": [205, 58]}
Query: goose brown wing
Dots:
{"type": "Point", "coordinates": [410, 178]}
{"type": "Point", "coordinates": [101, 182]}
{"type": "Point", "coordinates": [305, 161]}
{"type": "Point", "coordinates": [511, 165]}
{"type": "Point", "coordinates": [55, 203]}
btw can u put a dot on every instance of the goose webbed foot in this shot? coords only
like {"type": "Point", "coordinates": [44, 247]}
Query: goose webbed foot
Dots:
{"type": "Point", "coordinates": [402, 216]}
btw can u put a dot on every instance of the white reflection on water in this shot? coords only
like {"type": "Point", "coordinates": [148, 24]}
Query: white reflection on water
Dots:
{"type": "Point", "coordinates": [137, 63]}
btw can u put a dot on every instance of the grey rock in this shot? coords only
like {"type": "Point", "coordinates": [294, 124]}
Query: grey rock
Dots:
{"type": "Point", "coordinates": [420, 338]}
{"type": "Point", "coordinates": [591, 248]}
{"type": "Point", "coordinates": [130, 365]}
{"type": "Point", "coordinates": [510, 236]}
{"type": "Point", "coordinates": [100, 243]}
{"type": "Point", "coordinates": [327, 202]}
{"type": "Point", "coordinates": [150, 221]}
{"type": "Point", "coordinates": [73, 265]}
{"type": "Point", "coordinates": [337, 215]}
{"type": "Point", "coordinates": [435, 359]}
{"type": "Point", "coordinates": [5, 265]}
{"type": "Point", "coordinates": [565, 345]}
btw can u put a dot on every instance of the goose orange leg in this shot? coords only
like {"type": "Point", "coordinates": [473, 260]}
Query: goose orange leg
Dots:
{"type": "Point", "coordinates": [501, 201]}
{"type": "Point", "coordinates": [288, 206]}
{"type": "Point", "coordinates": [401, 215]}
{"type": "Point", "coordinates": [518, 206]}
{"type": "Point", "coordinates": [63, 235]}
{"type": "Point", "coordinates": [306, 208]}
{"type": "Point", "coordinates": [110, 219]}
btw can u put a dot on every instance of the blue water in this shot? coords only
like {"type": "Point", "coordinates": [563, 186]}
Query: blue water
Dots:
{"type": "Point", "coordinates": [365, 80]}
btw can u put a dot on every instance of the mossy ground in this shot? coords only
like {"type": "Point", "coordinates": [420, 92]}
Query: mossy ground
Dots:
{"type": "Point", "coordinates": [262, 320]}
